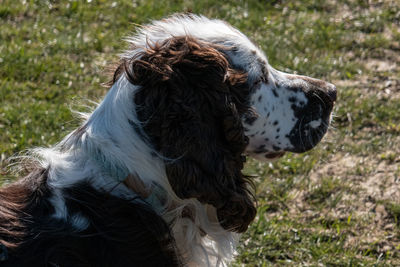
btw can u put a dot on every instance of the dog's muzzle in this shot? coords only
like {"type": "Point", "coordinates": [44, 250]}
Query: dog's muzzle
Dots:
{"type": "Point", "coordinates": [314, 117]}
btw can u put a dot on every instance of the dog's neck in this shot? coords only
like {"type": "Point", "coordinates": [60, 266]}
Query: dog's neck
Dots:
{"type": "Point", "coordinates": [106, 148]}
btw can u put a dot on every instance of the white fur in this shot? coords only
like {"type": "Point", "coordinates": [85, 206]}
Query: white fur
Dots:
{"type": "Point", "coordinates": [263, 132]}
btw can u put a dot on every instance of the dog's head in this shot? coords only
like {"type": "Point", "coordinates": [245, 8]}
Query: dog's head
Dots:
{"type": "Point", "coordinates": [207, 97]}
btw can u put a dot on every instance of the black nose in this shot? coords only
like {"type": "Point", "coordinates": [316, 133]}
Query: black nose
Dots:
{"type": "Point", "coordinates": [325, 90]}
{"type": "Point", "coordinates": [331, 92]}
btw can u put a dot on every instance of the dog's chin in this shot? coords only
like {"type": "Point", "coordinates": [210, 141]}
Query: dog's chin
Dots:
{"type": "Point", "coordinates": [267, 156]}
{"type": "Point", "coordinates": [307, 138]}
{"type": "Point", "coordinates": [274, 155]}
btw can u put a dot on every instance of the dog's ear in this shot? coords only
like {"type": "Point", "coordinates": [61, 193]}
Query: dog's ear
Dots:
{"type": "Point", "coordinates": [190, 102]}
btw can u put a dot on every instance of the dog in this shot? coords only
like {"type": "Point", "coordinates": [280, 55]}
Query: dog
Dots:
{"type": "Point", "coordinates": [153, 176]}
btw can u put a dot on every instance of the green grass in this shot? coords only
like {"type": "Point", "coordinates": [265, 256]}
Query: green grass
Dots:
{"type": "Point", "coordinates": [315, 209]}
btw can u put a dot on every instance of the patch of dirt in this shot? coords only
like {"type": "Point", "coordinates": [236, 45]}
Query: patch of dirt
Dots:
{"type": "Point", "coordinates": [374, 85]}
{"type": "Point", "coordinates": [368, 183]}
{"type": "Point", "coordinates": [380, 65]}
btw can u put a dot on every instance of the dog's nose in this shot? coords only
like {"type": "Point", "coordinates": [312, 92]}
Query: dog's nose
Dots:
{"type": "Point", "coordinates": [325, 90]}
{"type": "Point", "coordinates": [328, 90]}
{"type": "Point", "coordinates": [331, 92]}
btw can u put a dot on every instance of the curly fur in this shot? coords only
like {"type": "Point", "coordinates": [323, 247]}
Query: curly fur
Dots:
{"type": "Point", "coordinates": [197, 123]}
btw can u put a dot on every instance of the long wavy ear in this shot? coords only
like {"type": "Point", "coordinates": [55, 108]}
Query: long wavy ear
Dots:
{"type": "Point", "coordinates": [191, 102]}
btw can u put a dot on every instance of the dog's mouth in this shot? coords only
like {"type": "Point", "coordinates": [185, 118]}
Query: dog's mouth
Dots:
{"type": "Point", "coordinates": [274, 155]}
{"type": "Point", "coordinates": [312, 124]}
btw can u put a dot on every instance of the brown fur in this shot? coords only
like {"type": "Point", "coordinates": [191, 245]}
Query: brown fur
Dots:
{"type": "Point", "coordinates": [18, 206]}
{"type": "Point", "coordinates": [191, 102]}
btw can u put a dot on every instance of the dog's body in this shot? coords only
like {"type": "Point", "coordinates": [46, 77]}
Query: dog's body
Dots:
{"type": "Point", "coordinates": [153, 176]}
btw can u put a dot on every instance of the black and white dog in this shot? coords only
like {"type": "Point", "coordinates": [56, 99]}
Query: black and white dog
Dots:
{"type": "Point", "coordinates": [153, 176]}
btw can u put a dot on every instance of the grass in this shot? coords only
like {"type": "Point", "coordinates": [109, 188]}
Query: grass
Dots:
{"type": "Point", "coordinates": [337, 205]}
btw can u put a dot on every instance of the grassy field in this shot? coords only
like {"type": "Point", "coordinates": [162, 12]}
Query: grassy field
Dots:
{"type": "Point", "coordinates": [338, 205]}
